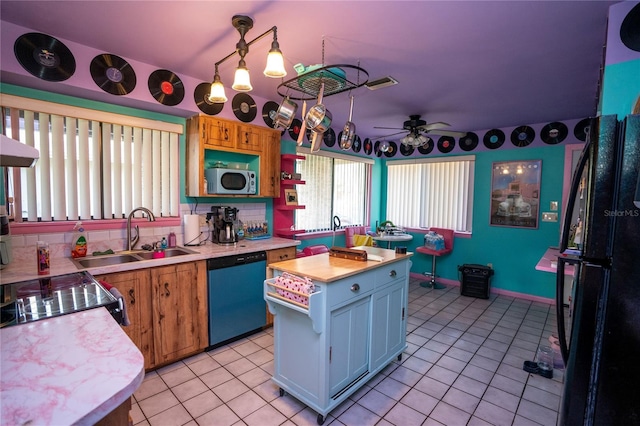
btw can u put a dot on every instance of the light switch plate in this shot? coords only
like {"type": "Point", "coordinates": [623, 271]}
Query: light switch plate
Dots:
{"type": "Point", "coordinates": [554, 206]}
{"type": "Point", "coordinates": [549, 217]}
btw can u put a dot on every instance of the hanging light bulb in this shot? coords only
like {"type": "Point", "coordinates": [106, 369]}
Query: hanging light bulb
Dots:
{"type": "Point", "coordinates": [275, 61]}
{"type": "Point", "coordinates": [216, 93]}
{"type": "Point", "coordinates": [242, 80]}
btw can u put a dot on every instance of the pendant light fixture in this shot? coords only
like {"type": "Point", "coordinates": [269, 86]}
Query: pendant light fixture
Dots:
{"type": "Point", "coordinates": [242, 80]}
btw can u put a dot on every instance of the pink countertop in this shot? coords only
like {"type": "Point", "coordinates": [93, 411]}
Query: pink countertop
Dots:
{"type": "Point", "coordinates": [72, 369]}
{"type": "Point", "coordinates": [549, 262]}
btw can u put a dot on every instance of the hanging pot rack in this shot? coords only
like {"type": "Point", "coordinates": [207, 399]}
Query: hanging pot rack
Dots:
{"type": "Point", "coordinates": [337, 78]}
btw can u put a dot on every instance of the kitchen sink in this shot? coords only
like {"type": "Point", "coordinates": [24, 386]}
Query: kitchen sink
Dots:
{"type": "Point", "coordinates": [127, 257]}
{"type": "Point", "coordinates": [170, 252]}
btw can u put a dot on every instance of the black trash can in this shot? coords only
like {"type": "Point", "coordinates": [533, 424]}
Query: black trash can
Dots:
{"type": "Point", "coordinates": [475, 280]}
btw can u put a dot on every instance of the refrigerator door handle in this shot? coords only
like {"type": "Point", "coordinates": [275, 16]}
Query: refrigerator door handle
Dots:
{"type": "Point", "coordinates": [560, 283]}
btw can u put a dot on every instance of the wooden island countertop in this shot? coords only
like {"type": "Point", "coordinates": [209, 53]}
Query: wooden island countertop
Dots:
{"type": "Point", "coordinates": [326, 268]}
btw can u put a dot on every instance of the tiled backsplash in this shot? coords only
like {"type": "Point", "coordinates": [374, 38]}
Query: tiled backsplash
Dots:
{"type": "Point", "coordinates": [23, 246]}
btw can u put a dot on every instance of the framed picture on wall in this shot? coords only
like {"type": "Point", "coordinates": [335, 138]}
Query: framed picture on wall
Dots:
{"type": "Point", "coordinates": [515, 193]}
{"type": "Point", "coordinates": [291, 197]}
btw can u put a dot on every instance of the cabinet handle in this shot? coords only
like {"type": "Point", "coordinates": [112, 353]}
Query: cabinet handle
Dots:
{"type": "Point", "coordinates": [393, 273]}
{"type": "Point", "coordinates": [246, 138]}
{"type": "Point", "coordinates": [166, 287]}
{"type": "Point", "coordinates": [284, 256]}
{"type": "Point", "coordinates": [132, 296]}
{"type": "Point", "coordinates": [355, 287]}
{"type": "Point", "coordinates": [226, 134]}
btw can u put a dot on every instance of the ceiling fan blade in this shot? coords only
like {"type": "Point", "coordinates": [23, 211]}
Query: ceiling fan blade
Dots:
{"type": "Point", "coordinates": [451, 133]}
{"type": "Point", "coordinates": [388, 128]}
{"type": "Point", "coordinates": [392, 134]}
{"type": "Point", "coordinates": [435, 125]}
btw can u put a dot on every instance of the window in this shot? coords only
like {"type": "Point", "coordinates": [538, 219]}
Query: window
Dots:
{"type": "Point", "coordinates": [91, 168]}
{"type": "Point", "coordinates": [435, 192]}
{"type": "Point", "coordinates": [336, 185]}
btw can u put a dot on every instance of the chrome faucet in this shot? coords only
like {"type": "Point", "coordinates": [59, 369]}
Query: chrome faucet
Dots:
{"type": "Point", "coordinates": [131, 242]}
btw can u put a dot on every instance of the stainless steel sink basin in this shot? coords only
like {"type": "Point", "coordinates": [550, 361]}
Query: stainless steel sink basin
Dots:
{"type": "Point", "coordinates": [170, 252]}
{"type": "Point", "coordinates": [126, 257]}
{"type": "Point", "coordinates": [107, 260]}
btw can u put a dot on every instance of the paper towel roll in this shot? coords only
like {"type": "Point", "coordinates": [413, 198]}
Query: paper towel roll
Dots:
{"type": "Point", "coordinates": [191, 229]}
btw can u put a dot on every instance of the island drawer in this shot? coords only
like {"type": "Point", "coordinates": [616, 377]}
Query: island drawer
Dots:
{"type": "Point", "coordinates": [390, 273]}
{"type": "Point", "coordinates": [349, 288]}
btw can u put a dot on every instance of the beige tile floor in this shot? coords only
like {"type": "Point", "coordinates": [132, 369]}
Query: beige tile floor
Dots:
{"type": "Point", "coordinates": [463, 366]}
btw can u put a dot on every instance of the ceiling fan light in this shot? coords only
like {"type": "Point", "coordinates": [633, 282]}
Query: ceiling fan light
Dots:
{"type": "Point", "coordinates": [242, 80]}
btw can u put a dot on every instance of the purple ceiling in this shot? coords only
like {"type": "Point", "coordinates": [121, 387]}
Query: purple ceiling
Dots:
{"type": "Point", "coordinates": [474, 64]}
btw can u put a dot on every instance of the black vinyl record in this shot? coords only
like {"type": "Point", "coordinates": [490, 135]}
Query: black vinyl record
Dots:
{"type": "Point", "coordinates": [44, 56]}
{"type": "Point", "coordinates": [376, 149]}
{"type": "Point", "coordinates": [393, 149]}
{"type": "Point", "coordinates": [329, 137]}
{"type": "Point", "coordinates": [244, 107]}
{"type": "Point", "coordinates": [113, 74]}
{"type": "Point", "coordinates": [493, 139]}
{"type": "Point", "coordinates": [427, 147]}
{"type": "Point", "coordinates": [294, 129]}
{"type": "Point", "coordinates": [367, 146]}
{"type": "Point", "coordinates": [630, 29]}
{"type": "Point", "coordinates": [554, 133]}
{"type": "Point", "coordinates": [522, 136]}
{"type": "Point", "coordinates": [468, 142]}
{"type": "Point", "coordinates": [446, 144]}
{"type": "Point", "coordinates": [201, 97]}
{"type": "Point", "coordinates": [581, 129]}
{"type": "Point", "coordinates": [356, 145]}
{"type": "Point", "coordinates": [406, 150]}
{"type": "Point", "coordinates": [166, 87]}
{"type": "Point", "coordinates": [267, 109]}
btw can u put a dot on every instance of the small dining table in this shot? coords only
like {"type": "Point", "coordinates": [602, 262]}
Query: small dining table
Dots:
{"type": "Point", "coordinates": [391, 238]}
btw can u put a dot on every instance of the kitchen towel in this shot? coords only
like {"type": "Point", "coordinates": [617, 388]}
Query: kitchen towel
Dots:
{"type": "Point", "coordinates": [191, 229]}
{"type": "Point", "coordinates": [123, 305]}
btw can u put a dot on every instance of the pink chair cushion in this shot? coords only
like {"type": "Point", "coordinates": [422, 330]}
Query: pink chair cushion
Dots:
{"type": "Point", "coordinates": [448, 242]}
{"type": "Point", "coordinates": [350, 231]}
{"type": "Point", "coordinates": [315, 249]}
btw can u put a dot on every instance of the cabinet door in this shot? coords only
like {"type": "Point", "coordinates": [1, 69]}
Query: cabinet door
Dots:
{"type": "Point", "coordinates": [387, 327]}
{"type": "Point", "coordinates": [249, 138]}
{"type": "Point", "coordinates": [135, 290]}
{"type": "Point", "coordinates": [179, 310]}
{"type": "Point", "coordinates": [349, 344]}
{"type": "Point", "coordinates": [220, 133]}
{"type": "Point", "coordinates": [270, 164]}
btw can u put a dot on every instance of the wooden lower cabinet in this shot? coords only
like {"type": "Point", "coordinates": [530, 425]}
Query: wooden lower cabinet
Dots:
{"type": "Point", "coordinates": [167, 308]}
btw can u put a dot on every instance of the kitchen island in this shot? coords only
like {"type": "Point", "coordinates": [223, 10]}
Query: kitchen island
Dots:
{"type": "Point", "coordinates": [328, 345]}
{"type": "Point", "coordinates": [76, 369]}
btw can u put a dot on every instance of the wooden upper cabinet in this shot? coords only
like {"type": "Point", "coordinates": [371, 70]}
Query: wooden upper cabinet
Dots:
{"type": "Point", "coordinates": [206, 133]}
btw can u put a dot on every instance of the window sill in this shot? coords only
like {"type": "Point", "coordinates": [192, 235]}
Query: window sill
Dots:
{"type": "Point", "coordinates": [20, 228]}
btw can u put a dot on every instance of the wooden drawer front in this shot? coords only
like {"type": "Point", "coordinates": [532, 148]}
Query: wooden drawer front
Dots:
{"type": "Point", "coordinates": [278, 255]}
{"type": "Point", "coordinates": [249, 139]}
{"type": "Point", "coordinates": [349, 288]}
{"type": "Point", "coordinates": [390, 273]}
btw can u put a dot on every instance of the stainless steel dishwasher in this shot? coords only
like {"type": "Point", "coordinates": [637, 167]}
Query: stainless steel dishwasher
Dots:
{"type": "Point", "coordinates": [236, 303]}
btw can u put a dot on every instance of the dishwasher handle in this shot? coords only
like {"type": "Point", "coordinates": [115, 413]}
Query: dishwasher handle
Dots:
{"type": "Point", "coordinates": [237, 259]}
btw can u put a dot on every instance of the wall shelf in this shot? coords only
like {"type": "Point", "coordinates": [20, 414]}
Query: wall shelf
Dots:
{"type": "Point", "coordinates": [283, 213]}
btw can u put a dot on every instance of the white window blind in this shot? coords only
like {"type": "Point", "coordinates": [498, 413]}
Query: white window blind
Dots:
{"type": "Point", "coordinates": [92, 170]}
{"type": "Point", "coordinates": [437, 192]}
{"type": "Point", "coordinates": [333, 187]}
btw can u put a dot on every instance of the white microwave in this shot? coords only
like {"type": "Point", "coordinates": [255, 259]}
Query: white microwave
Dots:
{"type": "Point", "coordinates": [230, 181]}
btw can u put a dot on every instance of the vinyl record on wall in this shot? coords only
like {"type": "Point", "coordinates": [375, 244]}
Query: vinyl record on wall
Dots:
{"type": "Point", "coordinates": [201, 98]}
{"type": "Point", "coordinates": [581, 129]}
{"type": "Point", "coordinates": [367, 146]}
{"type": "Point", "coordinates": [244, 107]}
{"type": "Point", "coordinates": [112, 74]}
{"type": "Point", "coordinates": [468, 142]}
{"type": "Point", "coordinates": [329, 137]}
{"type": "Point", "coordinates": [630, 29]}
{"type": "Point", "coordinates": [44, 56]}
{"type": "Point", "coordinates": [356, 145]}
{"type": "Point", "coordinates": [376, 149]}
{"type": "Point", "coordinates": [493, 139]}
{"type": "Point", "coordinates": [166, 87]}
{"type": "Point", "coordinates": [554, 133]}
{"type": "Point", "coordinates": [294, 129]}
{"type": "Point", "coordinates": [427, 147]}
{"type": "Point", "coordinates": [522, 136]}
{"type": "Point", "coordinates": [406, 150]}
{"type": "Point", "coordinates": [268, 109]}
{"type": "Point", "coordinates": [393, 149]}
{"type": "Point", "coordinates": [446, 144]}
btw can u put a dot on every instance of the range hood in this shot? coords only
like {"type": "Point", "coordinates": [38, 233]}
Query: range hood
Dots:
{"type": "Point", "coordinates": [16, 154]}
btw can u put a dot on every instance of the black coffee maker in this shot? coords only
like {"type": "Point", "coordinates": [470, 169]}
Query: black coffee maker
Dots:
{"type": "Point", "coordinates": [224, 224]}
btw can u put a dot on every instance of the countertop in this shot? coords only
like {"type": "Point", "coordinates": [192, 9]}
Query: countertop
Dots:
{"type": "Point", "coordinates": [72, 369]}
{"type": "Point", "coordinates": [549, 262]}
{"type": "Point", "coordinates": [325, 268]}
{"type": "Point", "coordinates": [23, 271]}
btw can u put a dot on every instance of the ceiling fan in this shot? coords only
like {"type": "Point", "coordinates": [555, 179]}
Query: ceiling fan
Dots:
{"type": "Point", "coordinates": [418, 128]}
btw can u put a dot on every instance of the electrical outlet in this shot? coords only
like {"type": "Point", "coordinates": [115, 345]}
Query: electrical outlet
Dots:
{"type": "Point", "coordinates": [553, 206]}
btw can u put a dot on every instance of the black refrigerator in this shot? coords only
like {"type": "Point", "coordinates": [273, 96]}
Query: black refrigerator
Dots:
{"type": "Point", "coordinates": [600, 339]}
